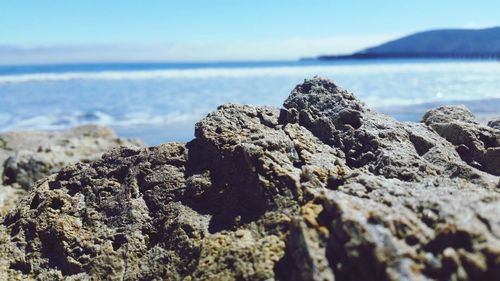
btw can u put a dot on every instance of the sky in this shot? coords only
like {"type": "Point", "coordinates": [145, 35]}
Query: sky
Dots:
{"type": "Point", "coordinates": [59, 31]}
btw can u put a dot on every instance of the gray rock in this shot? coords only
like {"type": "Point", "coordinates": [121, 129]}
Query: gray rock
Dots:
{"type": "Point", "coordinates": [446, 114]}
{"type": "Point", "coordinates": [495, 124]}
{"type": "Point", "coordinates": [374, 142]}
{"type": "Point", "coordinates": [325, 189]}
{"type": "Point", "coordinates": [386, 229]}
{"type": "Point", "coordinates": [26, 157]}
{"type": "Point", "coordinates": [477, 145]}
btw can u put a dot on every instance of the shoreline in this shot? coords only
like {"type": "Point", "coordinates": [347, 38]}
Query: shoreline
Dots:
{"type": "Point", "coordinates": [423, 56]}
{"type": "Point", "coordinates": [484, 110]}
{"type": "Point", "coordinates": [154, 134]}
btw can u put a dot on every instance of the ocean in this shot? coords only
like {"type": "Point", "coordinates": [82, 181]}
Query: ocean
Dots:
{"type": "Point", "coordinates": [160, 102]}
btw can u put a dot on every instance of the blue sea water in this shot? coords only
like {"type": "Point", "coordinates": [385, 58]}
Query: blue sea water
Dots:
{"type": "Point", "coordinates": [161, 102]}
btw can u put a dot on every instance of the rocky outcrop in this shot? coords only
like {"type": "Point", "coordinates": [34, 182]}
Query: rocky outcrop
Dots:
{"type": "Point", "coordinates": [324, 189]}
{"type": "Point", "coordinates": [26, 157]}
{"type": "Point", "coordinates": [477, 145]}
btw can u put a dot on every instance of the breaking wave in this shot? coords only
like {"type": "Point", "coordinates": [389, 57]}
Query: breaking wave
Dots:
{"type": "Point", "coordinates": [63, 121]}
{"type": "Point", "coordinates": [306, 71]}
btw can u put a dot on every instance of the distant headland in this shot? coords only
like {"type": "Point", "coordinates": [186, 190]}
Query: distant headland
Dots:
{"type": "Point", "coordinates": [444, 43]}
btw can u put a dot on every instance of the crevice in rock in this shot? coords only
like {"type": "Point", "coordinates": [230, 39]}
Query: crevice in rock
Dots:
{"type": "Point", "coordinates": [56, 203]}
{"type": "Point", "coordinates": [487, 140]}
{"type": "Point", "coordinates": [35, 202]}
{"type": "Point", "coordinates": [54, 252]}
{"type": "Point", "coordinates": [352, 118]}
{"type": "Point", "coordinates": [119, 240]}
{"type": "Point", "coordinates": [450, 237]}
{"type": "Point", "coordinates": [23, 267]}
{"type": "Point", "coordinates": [487, 224]}
{"type": "Point", "coordinates": [422, 146]}
{"type": "Point", "coordinates": [334, 182]}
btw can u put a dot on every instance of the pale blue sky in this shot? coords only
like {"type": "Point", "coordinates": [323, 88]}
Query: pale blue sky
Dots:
{"type": "Point", "coordinates": [93, 30]}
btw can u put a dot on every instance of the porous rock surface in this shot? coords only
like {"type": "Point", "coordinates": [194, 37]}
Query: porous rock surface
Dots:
{"type": "Point", "coordinates": [324, 189]}
{"type": "Point", "coordinates": [28, 156]}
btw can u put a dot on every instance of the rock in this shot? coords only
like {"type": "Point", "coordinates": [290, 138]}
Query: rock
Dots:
{"type": "Point", "coordinates": [477, 145]}
{"type": "Point", "coordinates": [386, 229]}
{"type": "Point", "coordinates": [26, 157]}
{"type": "Point", "coordinates": [495, 124]}
{"type": "Point", "coordinates": [324, 189]}
{"type": "Point", "coordinates": [373, 142]}
{"type": "Point", "coordinates": [446, 114]}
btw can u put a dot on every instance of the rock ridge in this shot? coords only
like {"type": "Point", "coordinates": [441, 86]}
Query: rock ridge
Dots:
{"type": "Point", "coordinates": [323, 189]}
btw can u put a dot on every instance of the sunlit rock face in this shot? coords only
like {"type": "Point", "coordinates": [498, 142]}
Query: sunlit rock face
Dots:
{"type": "Point", "coordinates": [323, 189]}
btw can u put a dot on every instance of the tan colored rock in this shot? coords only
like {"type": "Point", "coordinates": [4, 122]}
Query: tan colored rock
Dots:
{"type": "Point", "coordinates": [325, 189]}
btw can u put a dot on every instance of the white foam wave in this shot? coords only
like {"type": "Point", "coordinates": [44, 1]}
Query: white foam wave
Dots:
{"type": "Point", "coordinates": [53, 122]}
{"type": "Point", "coordinates": [358, 69]}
